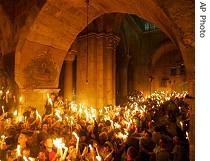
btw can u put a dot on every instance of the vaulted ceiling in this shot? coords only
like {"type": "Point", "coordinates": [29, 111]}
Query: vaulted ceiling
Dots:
{"type": "Point", "coordinates": [56, 24]}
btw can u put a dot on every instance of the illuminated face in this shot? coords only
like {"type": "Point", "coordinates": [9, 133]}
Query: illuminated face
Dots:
{"type": "Point", "coordinates": [49, 143]}
{"type": "Point", "coordinates": [44, 127]}
{"type": "Point", "coordinates": [26, 152]}
{"type": "Point", "coordinates": [22, 139]}
{"type": "Point", "coordinates": [42, 156]}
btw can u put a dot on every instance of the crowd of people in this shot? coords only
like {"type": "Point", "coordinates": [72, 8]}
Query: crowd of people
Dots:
{"type": "Point", "coordinates": [153, 128]}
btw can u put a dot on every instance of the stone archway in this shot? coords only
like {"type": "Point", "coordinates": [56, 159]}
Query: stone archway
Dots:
{"type": "Point", "coordinates": [47, 34]}
{"type": "Point", "coordinates": [165, 47]}
{"type": "Point", "coordinates": [59, 22]}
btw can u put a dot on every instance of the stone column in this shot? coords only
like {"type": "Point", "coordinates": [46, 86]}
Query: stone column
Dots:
{"type": "Point", "coordinates": [99, 67]}
{"type": "Point", "coordinates": [68, 76]}
{"type": "Point", "coordinates": [110, 69]}
{"type": "Point", "coordinates": [124, 77]}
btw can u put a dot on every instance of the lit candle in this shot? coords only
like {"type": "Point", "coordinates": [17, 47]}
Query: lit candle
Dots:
{"type": "Point", "coordinates": [2, 107]}
{"type": "Point", "coordinates": [3, 137]}
{"type": "Point", "coordinates": [31, 159]}
{"type": "Point", "coordinates": [20, 99]}
{"type": "Point", "coordinates": [18, 151]}
{"type": "Point", "coordinates": [187, 137]}
{"type": "Point", "coordinates": [20, 118]}
{"type": "Point", "coordinates": [77, 144]}
{"type": "Point", "coordinates": [15, 113]}
{"type": "Point", "coordinates": [98, 157]}
{"type": "Point", "coordinates": [38, 115]}
{"type": "Point", "coordinates": [58, 114]}
{"type": "Point", "coordinates": [181, 125]}
{"type": "Point", "coordinates": [24, 158]}
{"type": "Point", "coordinates": [71, 122]}
{"type": "Point", "coordinates": [58, 143]}
{"type": "Point", "coordinates": [7, 93]}
{"type": "Point", "coordinates": [91, 151]}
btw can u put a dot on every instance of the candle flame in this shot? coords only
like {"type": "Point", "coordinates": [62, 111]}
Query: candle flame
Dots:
{"type": "Point", "coordinates": [75, 134]}
{"type": "Point", "coordinates": [15, 113]}
{"type": "Point", "coordinates": [187, 136]}
{"type": "Point", "coordinates": [58, 143]}
{"type": "Point", "coordinates": [18, 150]}
{"type": "Point", "coordinates": [20, 99]}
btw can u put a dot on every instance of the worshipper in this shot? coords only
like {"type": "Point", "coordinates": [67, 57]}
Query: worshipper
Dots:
{"type": "Point", "coordinates": [33, 144]}
{"type": "Point", "coordinates": [25, 155]}
{"type": "Point", "coordinates": [49, 106]}
{"type": "Point", "coordinates": [132, 154]}
{"type": "Point", "coordinates": [146, 145]}
{"type": "Point", "coordinates": [28, 112]}
{"type": "Point", "coordinates": [59, 104]}
{"type": "Point", "coordinates": [22, 139]}
{"type": "Point", "coordinates": [72, 153]}
{"type": "Point", "coordinates": [50, 152]}
{"type": "Point", "coordinates": [150, 126]}
{"type": "Point", "coordinates": [161, 151]}
{"type": "Point", "coordinates": [108, 151]}
{"type": "Point", "coordinates": [41, 156]}
{"type": "Point", "coordinates": [43, 132]}
{"type": "Point", "coordinates": [3, 148]}
{"type": "Point", "coordinates": [177, 152]}
{"type": "Point", "coordinates": [27, 140]}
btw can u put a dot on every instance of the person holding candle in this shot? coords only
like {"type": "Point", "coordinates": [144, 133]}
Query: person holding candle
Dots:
{"type": "Point", "coordinates": [22, 140]}
{"type": "Point", "coordinates": [49, 150]}
{"type": "Point", "coordinates": [146, 145]}
{"type": "Point", "coordinates": [49, 106]}
{"type": "Point", "coordinates": [177, 152]}
{"type": "Point", "coordinates": [108, 151]}
{"type": "Point", "coordinates": [41, 156]}
{"type": "Point", "coordinates": [25, 156]}
{"type": "Point", "coordinates": [3, 148]}
{"type": "Point", "coordinates": [132, 154]}
{"type": "Point", "coordinates": [162, 152]}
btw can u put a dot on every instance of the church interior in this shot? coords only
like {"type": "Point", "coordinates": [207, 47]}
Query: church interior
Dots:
{"type": "Point", "coordinates": [96, 53]}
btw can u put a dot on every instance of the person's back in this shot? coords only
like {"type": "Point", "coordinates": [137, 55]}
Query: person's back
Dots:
{"type": "Point", "coordinates": [177, 149]}
{"type": "Point", "coordinates": [162, 154]}
{"type": "Point", "coordinates": [132, 154]}
{"type": "Point", "coordinates": [146, 146]}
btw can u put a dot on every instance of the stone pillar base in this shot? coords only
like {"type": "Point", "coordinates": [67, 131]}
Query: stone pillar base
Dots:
{"type": "Point", "coordinates": [35, 98]}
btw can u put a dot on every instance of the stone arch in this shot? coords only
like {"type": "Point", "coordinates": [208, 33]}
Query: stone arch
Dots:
{"type": "Point", "coordinates": [5, 32]}
{"type": "Point", "coordinates": [168, 68]}
{"type": "Point", "coordinates": [164, 48]}
{"type": "Point", "coordinates": [46, 30]}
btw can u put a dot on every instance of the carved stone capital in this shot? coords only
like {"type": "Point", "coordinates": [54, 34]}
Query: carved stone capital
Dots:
{"type": "Point", "coordinates": [70, 56]}
{"type": "Point", "coordinates": [112, 41]}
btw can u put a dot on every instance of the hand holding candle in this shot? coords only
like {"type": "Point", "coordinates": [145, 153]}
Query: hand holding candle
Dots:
{"type": "Point", "coordinates": [2, 107]}
{"type": "Point", "coordinates": [58, 143]}
{"type": "Point", "coordinates": [18, 150]}
{"type": "Point", "coordinates": [77, 144]}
